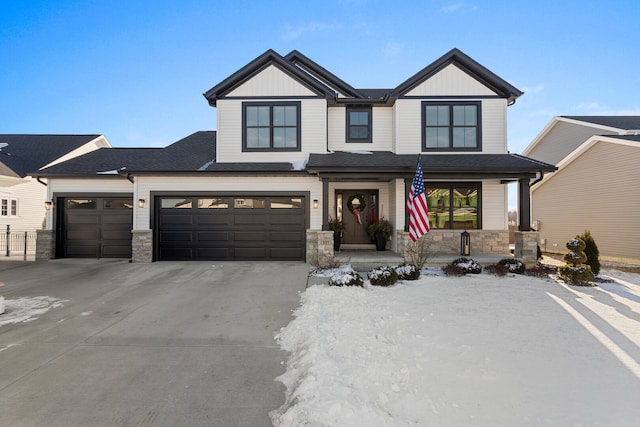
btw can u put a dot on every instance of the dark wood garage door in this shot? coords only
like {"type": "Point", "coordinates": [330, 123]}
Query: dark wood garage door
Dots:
{"type": "Point", "coordinates": [97, 227]}
{"type": "Point", "coordinates": [231, 228]}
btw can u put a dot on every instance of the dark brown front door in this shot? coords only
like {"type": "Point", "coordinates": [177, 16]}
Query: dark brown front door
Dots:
{"type": "Point", "coordinates": [356, 233]}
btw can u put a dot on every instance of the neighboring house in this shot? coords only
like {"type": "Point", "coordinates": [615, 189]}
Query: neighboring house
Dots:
{"type": "Point", "coordinates": [296, 146]}
{"type": "Point", "coordinates": [596, 187]}
{"type": "Point", "coordinates": [22, 197]}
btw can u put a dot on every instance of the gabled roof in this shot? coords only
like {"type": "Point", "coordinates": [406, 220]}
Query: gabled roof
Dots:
{"type": "Point", "coordinates": [320, 72]}
{"type": "Point", "coordinates": [26, 153]}
{"type": "Point", "coordinates": [270, 57]}
{"type": "Point", "coordinates": [468, 65]}
{"type": "Point", "coordinates": [620, 122]}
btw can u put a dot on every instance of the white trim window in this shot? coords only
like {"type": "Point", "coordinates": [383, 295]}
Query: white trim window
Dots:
{"type": "Point", "coordinates": [8, 207]}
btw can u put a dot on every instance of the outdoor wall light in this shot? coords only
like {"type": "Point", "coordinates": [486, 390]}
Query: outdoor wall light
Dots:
{"type": "Point", "coordinates": [315, 204]}
{"type": "Point", "coordinates": [465, 243]}
{"type": "Point", "coordinates": [48, 205]}
{"type": "Point", "coordinates": [141, 203]}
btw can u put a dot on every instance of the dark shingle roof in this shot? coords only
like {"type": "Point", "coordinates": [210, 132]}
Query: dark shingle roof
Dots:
{"type": "Point", "coordinates": [437, 163]}
{"type": "Point", "coordinates": [187, 154]}
{"type": "Point", "coordinates": [27, 153]}
{"type": "Point", "coordinates": [620, 122]}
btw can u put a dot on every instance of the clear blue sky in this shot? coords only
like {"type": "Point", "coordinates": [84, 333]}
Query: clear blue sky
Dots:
{"type": "Point", "coordinates": [135, 70]}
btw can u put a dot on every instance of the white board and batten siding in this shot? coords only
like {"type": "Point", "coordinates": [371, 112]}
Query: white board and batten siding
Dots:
{"type": "Point", "coordinates": [271, 81]}
{"type": "Point", "coordinates": [381, 131]}
{"type": "Point", "coordinates": [228, 185]}
{"type": "Point", "coordinates": [597, 191]}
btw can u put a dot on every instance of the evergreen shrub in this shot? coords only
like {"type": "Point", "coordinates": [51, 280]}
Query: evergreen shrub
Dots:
{"type": "Point", "coordinates": [383, 276]}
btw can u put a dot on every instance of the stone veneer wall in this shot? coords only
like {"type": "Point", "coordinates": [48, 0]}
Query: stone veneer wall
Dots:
{"type": "Point", "coordinates": [45, 245]}
{"type": "Point", "coordinates": [319, 247]}
{"type": "Point", "coordinates": [447, 242]}
{"type": "Point", "coordinates": [142, 246]}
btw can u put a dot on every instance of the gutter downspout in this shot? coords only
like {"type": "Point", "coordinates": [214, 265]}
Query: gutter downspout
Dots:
{"type": "Point", "coordinates": [43, 183]}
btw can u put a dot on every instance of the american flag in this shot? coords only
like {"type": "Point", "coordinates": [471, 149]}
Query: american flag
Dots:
{"type": "Point", "coordinates": [417, 206]}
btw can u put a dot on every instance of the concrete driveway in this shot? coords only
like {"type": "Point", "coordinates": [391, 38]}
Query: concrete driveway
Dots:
{"type": "Point", "coordinates": [165, 344]}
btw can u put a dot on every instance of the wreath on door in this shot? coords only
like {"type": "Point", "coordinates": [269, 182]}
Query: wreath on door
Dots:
{"type": "Point", "coordinates": [355, 210]}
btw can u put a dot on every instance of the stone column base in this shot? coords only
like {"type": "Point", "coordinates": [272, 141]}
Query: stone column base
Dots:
{"type": "Point", "coordinates": [142, 246]}
{"type": "Point", "coordinates": [526, 248]}
{"type": "Point", "coordinates": [45, 245]}
{"type": "Point", "coordinates": [319, 247]}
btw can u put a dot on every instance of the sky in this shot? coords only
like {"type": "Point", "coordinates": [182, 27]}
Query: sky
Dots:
{"type": "Point", "coordinates": [135, 71]}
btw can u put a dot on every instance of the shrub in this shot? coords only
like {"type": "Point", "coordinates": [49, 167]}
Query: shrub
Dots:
{"type": "Point", "coordinates": [591, 251]}
{"type": "Point", "coordinates": [539, 271]}
{"type": "Point", "coordinates": [538, 252]}
{"type": "Point", "coordinates": [514, 265]}
{"type": "Point", "coordinates": [453, 270]}
{"type": "Point", "coordinates": [383, 276]}
{"type": "Point", "coordinates": [350, 278]}
{"type": "Point", "coordinates": [575, 271]}
{"type": "Point", "coordinates": [468, 265]}
{"type": "Point", "coordinates": [497, 269]}
{"type": "Point", "coordinates": [407, 272]}
{"type": "Point", "coordinates": [418, 252]}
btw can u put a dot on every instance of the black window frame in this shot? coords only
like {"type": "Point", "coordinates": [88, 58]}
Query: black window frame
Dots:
{"type": "Point", "coordinates": [451, 208]}
{"type": "Point", "coordinates": [451, 126]}
{"type": "Point", "coordinates": [359, 109]}
{"type": "Point", "coordinates": [271, 126]}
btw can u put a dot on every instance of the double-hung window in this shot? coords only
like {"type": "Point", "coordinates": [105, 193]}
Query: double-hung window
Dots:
{"type": "Point", "coordinates": [451, 126]}
{"type": "Point", "coordinates": [271, 126]}
{"type": "Point", "coordinates": [359, 124]}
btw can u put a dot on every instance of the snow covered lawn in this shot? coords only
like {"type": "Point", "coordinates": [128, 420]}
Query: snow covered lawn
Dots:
{"type": "Point", "coordinates": [445, 351]}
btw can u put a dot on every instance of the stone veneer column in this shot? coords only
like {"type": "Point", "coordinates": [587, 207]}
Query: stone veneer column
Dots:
{"type": "Point", "coordinates": [142, 246]}
{"type": "Point", "coordinates": [403, 240]}
{"type": "Point", "coordinates": [45, 245]}
{"type": "Point", "coordinates": [526, 247]}
{"type": "Point", "coordinates": [319, 247]}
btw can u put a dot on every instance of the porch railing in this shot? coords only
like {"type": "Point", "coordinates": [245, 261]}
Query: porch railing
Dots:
{"type": "Point", "coordinates": [17, 243]}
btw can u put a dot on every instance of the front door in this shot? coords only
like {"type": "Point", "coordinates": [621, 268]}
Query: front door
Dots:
{"type": "Point", "coordinates": [366, 203]}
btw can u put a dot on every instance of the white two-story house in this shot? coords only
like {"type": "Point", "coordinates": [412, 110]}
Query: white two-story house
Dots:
{"type": "Point", "coordinates": [295, 147]}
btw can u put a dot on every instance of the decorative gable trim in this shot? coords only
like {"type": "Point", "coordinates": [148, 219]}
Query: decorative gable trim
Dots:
{"type": "Point", "coordinates": [270, 57]}
{"type": "Point", "coordinates": [469, 66]}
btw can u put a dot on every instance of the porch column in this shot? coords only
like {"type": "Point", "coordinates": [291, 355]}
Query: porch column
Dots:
{"type": "Point", "coordinates": [524, 204]}
{"type": "Point", "coordinates": [407, 189]}
{"type": "Point", "coordinates": [325, 204]}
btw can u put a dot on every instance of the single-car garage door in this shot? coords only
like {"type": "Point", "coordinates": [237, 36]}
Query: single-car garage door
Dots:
{"type": "Point", "coordinates": [231, 228]}
{"type": "Point", "coordinates": [96, 227]}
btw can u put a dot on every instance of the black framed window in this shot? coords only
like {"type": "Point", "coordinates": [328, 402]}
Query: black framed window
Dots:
{"type": "Point", "coordinates": [271, 126]}
{"type": "Point", "coordinates": [359, 124]}
{"type": "Point", "coordinates": [451, 126]}
{"type": "Point", "coordinates": [454, 206]}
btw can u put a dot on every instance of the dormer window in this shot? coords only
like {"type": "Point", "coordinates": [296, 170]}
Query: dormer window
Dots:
{"type": "Point", "coordinates": [271, 126]}
{"type": "Point", "coordinates": [359, 124]}
{"type": "Point", "coordinates": [451, 126]}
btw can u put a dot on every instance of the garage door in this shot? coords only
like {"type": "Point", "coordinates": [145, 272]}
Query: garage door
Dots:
{"type": "Point", "coordinates": [231, 228]}
{"type": "Point", "coordinates": [97, 227]}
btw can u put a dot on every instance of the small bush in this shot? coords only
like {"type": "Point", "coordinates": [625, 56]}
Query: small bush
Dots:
{"type": "Point", "coordinates": [383, 276]}
{"type": "Point", "coordinates": [497, 269]}
{"type": "Point", "coordinates": [468, 265]}
{"type": "Point", "coordinates": [576, 274]}
{"type": "Point", "coordinates": [591, 251]}
{"type": "Point", "coordinates": [407, 272]}
{"type": "Point", "coordinates": [538, 253]}
{"type": "Point", "coordinates": [453, 270]}
{"type": "Point", "coordinates": [514, 265]}
{"type": "Point", "coordinates": [350, 278]}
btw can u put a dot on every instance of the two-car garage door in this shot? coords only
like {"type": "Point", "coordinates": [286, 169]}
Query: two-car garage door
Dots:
{"type": "Point", "coordinates": [230, 227]}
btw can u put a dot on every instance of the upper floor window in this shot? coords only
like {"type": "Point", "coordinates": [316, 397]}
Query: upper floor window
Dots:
{"type": "Point", "coordinates": [271, 126]}
{"type": "Point", "coordinates": [451, 126]}
{"type": "Point", "coordinates": [359, 124]}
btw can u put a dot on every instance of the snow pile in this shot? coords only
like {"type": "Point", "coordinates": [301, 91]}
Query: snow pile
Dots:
{"type": "Point", "coordinates": [357, 358]}
{"type": "Point", "coordinates": [28, 309]}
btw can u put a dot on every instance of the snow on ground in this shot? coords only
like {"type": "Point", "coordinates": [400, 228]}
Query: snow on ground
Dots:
{"type": "Point", "coordinates": [360, 356]}
{"type": "Point", "coordinates": [27, 309]}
